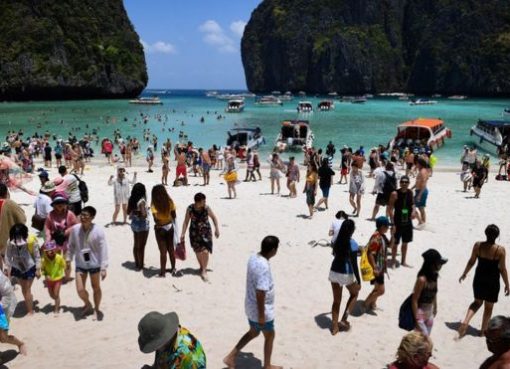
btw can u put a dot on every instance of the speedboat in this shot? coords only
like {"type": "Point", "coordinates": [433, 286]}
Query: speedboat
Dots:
{"type": "Point", "coordinates": [268, 100]}
{"type": "Point", "coordinates": [305, 107]}
{"type": "Point", "coordinates": [235, 106]}
{"type": "Point", "coordinates": [359, 100]}
{"type": "Point", "coordinates": [457, 97]}
{"type": "Point", "coordinates": [211, 93]}
{"type": "Point", "coordinates": [287, 96]}
{"type": "Point", "coordinates": [147, 101]}
{"type": "Point", "coordinates": [422, 102]}
{"type": "Point", "coordinates": [326, 105]}
{"type": "Point", "coordinates": [245, 138]}
{"type": "Point", "coordinates": [419, 133]}
{"type": "Point", "coordinates": [493, 135]}
{"type": "Point", "coordinates": [294, 135]}
{"type": "Point", "coordinates": [506, 112]}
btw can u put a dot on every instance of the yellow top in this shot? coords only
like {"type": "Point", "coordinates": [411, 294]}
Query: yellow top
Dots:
{"type": "Point", "coordinates": [162, 218]}
{"type": "Point", "coordinates": [312, 178]}
{"type": "Point", "coordinates": [54, 269]}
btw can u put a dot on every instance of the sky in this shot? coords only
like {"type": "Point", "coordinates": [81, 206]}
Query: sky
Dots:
{"type": "Point", "coordinates": [193, 44]}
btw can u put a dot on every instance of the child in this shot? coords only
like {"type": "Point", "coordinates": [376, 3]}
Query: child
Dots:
{"type": "Point", "coordinates": [53, 268]}
{"type": "Point", "coordinates": [23, 261]}
{"type": "Point", "coordinates": [7, 306]}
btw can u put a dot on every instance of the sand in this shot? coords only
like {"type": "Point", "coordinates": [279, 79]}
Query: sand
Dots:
{"type": "Point", "coordinates": [214, 312]}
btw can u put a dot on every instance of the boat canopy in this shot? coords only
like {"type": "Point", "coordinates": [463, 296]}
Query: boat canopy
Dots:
{"type": "Point", "coordinates": [490, 125]}
{"type": "Point", "coordinates": [432, 124]}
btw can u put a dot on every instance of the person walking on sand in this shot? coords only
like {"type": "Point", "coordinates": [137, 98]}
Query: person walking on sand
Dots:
{"type": "Point", "coordinates": [121, 192]}
{"type": "Point", "coordinates": [356, 188]}
{"type": "Point", "coordinates": [165, 167]}
{"type": "Point", "coordinates": [137, 210]}
{"type": "Point", "coordinates": [200, 233]}
{"type": "Point", "coordinates": [53, 268]}
{"type": "Point", "coordinates": [311, 187]}
{"type": "Point", "coordinates": [206, 165]}
{"type": "Point", "coordinates": [7, 307]}
{"type": "Point", "coordinates": [259, 303]}
{"type": "Point", "coordinates": [479, 174]}
{"type": "Point", "coordinates": [344, 272]}
{"type": "Point", "coordinates": [275, 172]}
{"type": "Point", "coordinates": [377, 258]}
{"type": "Point", "coordinates": [292, 177]}
{"type": "Point", "coordinates": [164, 212]}
{"type": "Point", "coordinates": [421, 190]}
{"type": "Point", "coordinates": [498, 342]}
{"type": "Point", "coordinates": [181, 169]}
{"type": "Point", "coordinates": [325, 174]}
{"type": "Point", "coordinates": [230, 175]}
{"type": "Point", "coordinates": [88, 247]}
{"type": "Point", "coordinates": [491, 265]}
{"type": "Point", "coordinates": [69, 184]}
{"type": "Point", "coordinates": [424, 300]}
{"type": "Point", "coordinates": [149, 157]}
{"type": "Point", "coordinates": [400, 211]}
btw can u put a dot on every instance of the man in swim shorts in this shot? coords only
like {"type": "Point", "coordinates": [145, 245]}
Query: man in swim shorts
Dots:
{"type": "Point", "coordinates": [421, 191]}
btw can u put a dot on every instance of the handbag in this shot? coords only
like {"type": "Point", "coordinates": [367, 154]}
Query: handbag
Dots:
{"type": "Point", "coordinates": [406, 316]}
{"type": "Point", "coordinates": [38, 222]}
{"type": "Point", "coordinates": [367, 273]}
{"type": "Point", "coordinates": [180, 251]}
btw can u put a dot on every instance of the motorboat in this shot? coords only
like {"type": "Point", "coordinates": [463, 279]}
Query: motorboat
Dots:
{"type": "Point", "coordinates": [211, 93]}
{"type": "Point", "coordinates": [457, 97]}
{"type": "Point", "coordinates": [287, 96]}
{"type": "Point", "coordinates": [493, 135]}
{"type": "Point", "coordinates": [420, 133]}
{"type": "Point", "coordinates": [294, 136]}
{"type": "Point", "coordinates": [506, 112]}
{"type": "Point", "coordinates": [305, 107]}
{"type": "Point", "coordinates": [359, 100]}
{"type": "Point", "coordinates": [268, 100]}
{"type": "Point", "coordinates": [235, 106]}
{"type": "Point", "coordinates": [422, 102]}
{"type": "Point", "coordinates": [245, 138]}
{"type": "Point", "coordinates": [147, 101]}
{"type": "Point", "coordinates": [230, 97]}
{"type": "Point", "coordinates": [326, 105]}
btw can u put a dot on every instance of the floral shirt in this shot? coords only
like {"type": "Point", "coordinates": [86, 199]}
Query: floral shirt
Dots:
{"type": "Point", "coordinates": [186, 353]}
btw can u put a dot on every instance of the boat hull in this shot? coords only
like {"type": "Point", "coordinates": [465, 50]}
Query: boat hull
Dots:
{"type": "Point", "coordinates": [484, 141]}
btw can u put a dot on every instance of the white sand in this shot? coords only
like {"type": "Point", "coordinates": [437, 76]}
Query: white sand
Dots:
{"type": "Point", "coordinates": [215, 312]}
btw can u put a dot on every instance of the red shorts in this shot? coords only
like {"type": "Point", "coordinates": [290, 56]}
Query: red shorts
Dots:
{"type": "Point", "coordinates": [344, 171]}
{"type": "Point", "coordinates": [53, 284]}
{"type": "Point", "coordinates": [181, 170]}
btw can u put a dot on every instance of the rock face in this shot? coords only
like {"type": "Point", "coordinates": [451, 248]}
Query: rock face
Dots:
{"type": "Point", "coordinates": [359, 46]}
{"type": "Point", "coordinates": [72, 49]}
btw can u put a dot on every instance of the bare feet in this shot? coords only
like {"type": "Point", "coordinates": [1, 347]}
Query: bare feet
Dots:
{"type": "Point", "coordinates": [230, 361]}
{"type": "Point", "coordinates": [23, 349]}
{"type": "Point", "coordinates": [346, 326]}
{"type": "Point", "coordinates": [406, 265]}
{"type": "Point", "coordinates": [462, 330]}
{"type": "Point", "coordinates": [204, 277]}
{"type": "Point", "coordinates": [334, 328]}
{"type": "Point", "coordinates": [98, 315]}
{"type": "Point", "coordinates": [87, 310]}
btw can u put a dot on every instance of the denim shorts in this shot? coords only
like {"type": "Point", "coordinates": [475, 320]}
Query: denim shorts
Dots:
{"type": "Point", "coordinates": [267, 327]}
{"type": "Point", "coordinates": [87, 270]}
{"type": "Point", "coordinates": [28, 275]}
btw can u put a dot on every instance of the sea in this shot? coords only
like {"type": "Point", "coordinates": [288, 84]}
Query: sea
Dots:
{"type": "Point", "coordinates": [180, 117]}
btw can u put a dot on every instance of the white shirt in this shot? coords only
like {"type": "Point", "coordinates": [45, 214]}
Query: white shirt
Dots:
{"type": "Point", "coordinates": [335, 227]}
{"type": "Point", "coordinates": [69, 184]}
{"type": "Point", "coordinates": [259, 278]}
{"type": "Point", "coordinates": [42, 205]}
{"type": "Point", "coordinates": [89, 246]}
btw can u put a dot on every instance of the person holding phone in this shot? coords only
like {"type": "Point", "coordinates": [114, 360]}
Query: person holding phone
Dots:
{"type": "Point", "coordinates": [87, 245]}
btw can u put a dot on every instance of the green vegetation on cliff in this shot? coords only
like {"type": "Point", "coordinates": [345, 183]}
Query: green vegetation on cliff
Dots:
{"type": "Point", "coordinates": [54, 49]}
{"type": "Point", "coordinates": [358, 46]}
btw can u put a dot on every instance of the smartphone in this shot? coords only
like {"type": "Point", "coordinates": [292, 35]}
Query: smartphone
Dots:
{"type": "Point", "coordinates": [86, 257]}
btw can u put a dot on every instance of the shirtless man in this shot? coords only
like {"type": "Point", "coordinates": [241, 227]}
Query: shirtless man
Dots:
{"type": "Point", "coordinates": [421, 191]}
{"type": "Point", "coordinates": [206, 165]}
{"type": "Point", "coordinates": [409, 159]}
{"type": "Point", "coordinates": [181, 168]}
{"type": "Point", "coordinates": [498, 342]}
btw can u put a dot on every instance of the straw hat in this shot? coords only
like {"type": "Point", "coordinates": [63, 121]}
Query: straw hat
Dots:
{"type": "Point", "coordinates": [48, 187]}
{"type": "Point", "coordinates": [156, 329]}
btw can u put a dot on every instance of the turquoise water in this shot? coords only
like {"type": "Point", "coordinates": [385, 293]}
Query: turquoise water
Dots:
{"type": "Point", "coordinates": [366, 124]}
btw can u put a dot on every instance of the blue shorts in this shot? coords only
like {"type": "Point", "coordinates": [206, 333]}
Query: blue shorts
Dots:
{"type": "Point", "coordinates": [423, 201]}
{"type": "Point", "coordinates": [267, 327]}
{"type": "Point", "coordinates": [325, 192]}
{"type": "Point", "coordinates": [28, 275]}
{"type": "Point", "coordinates": [139, 224]}
{"type": "Point", "coordinates": [4, 322]}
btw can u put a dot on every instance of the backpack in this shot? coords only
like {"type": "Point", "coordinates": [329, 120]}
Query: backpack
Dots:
{"type": "Point", "coordinates": [390, 184]}
{"type": "Point", "coordinates": [405, 316]}
{"type": "Point", "coordinates": [84, 190]}
{"type": "Point", "coordinates": [31, 241]}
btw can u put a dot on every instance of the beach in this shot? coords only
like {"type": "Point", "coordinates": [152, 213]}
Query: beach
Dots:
{"type": "Point", "coordinates": [214, 312]}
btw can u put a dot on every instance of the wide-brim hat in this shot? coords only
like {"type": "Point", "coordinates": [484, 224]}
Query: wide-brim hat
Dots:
{"type": "Point", "coordinates": [48, 187]}
{"type": "Point", "coordinates": [156, 329]}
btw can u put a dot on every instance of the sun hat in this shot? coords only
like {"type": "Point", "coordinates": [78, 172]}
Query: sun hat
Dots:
{"type": "Point", "coordinates": [434, 255]}
{"type": "Point", "coordinates": [156, 329]}
{"type": "Point", "coordinates": [59, 198]}
{"type": "Point", "coordinates": [48, 187]}
{"type": "Point", "coordinates": [382, 221]}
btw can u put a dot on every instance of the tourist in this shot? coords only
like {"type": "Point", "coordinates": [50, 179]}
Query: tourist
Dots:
{"type": "Point", "coordinates": [311, 187]}
{"type": "Point", "coordinates": [466, 177]}
{"type": "Point", "coordinates": [400, 211]}
{"type": "Point", "coordinates": [421, 191]}
{"type": "Point", "coordinates": [249, 167]}
{"type": "Point", "coordinates": [149, 157]}
{"type": "Point", "coordinates": [498, 342]}
{"type": "Point", "coordinates": [491, 264]}
{"type": "Point", "coordinates": [356, 188]}
{"type": "Point", "coordinates": [334, 229]}
{"type": "Point", "coordinates": [344, 272]}
{"type": "Point", "coordinates": [424, 300]}
{"type": "Point", "coordinates": [175, 346]}
{"type": "Point", "coordinates": [259, 303]}
{"type": "Point", "coordinates": [69, 184]}
{"type": "Point", "coordinates": [200, 233]}
{"type": "Point", "coordinates": [47, 155]}
{"type": "Point", "coordinates": [486, 163]}
{"type": "Point", "coordinates": [7, 307]}
{"type": "Point", "coordinates": [384, 185]}
{"type": "Point", "coordinates": [256, 164]}
{"type": "Point", "coordinates": [165, 168]}
{"type": "Point", "coordinates": [292, 177]}
{"type": "Point", "coordinates": [479, 173]}
{"type": "Point", "coordinates": [221, 158]}
{"type": "Point", "coordinates": [345, 162]}
{"type": "Point", "coordinates": [57, 150]}
{"type": "Point", "coordinates": [163, 211]}
{"type": "Point", "coordinates": [206, 165]}
{"type": "Point", "coordinates": [10, 214]}
{"type": "Point", "coordinates": [43, 206]}
{"type": "Point", "coordinates": [88, 247]}
{"type": "Point", "coordinates": [137, 210]}
{"type": "Point", "coordinates": [120, 192]}
{"type": "Point", "coordinates": [373, 161]}
{"type": "Point", "coordinates": [181, 170]}
{"type": "Point", "coordinates": [230, 176]}
{"type": "Point", "coordinates": [23, 261]}
{"type": "Point", "coordinates": [409, 159]}
{"type": "Point", "coordinates": [377, 258]}
{"type": "Point", "coordinates": [53, 268]}
{"type": "Point", "coordinates": [275, 172]}
{"type": "Point", "coordinates": [414, 352]}
{"type": "Point", "coordinates": [325, 174]}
